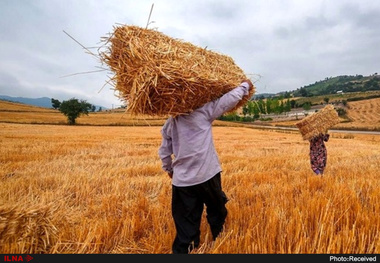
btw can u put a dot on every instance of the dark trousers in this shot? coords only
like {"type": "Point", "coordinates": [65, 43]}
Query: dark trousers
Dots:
{"type": "Point", "coordinates": [187, 209]}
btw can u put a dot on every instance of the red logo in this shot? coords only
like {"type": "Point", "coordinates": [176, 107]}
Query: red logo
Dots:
{"type": "Point", "coordinates": [17, 258]}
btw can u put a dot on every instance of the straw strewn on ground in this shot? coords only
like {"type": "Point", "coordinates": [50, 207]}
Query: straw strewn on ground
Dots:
{"type": "Point", "coordinates": [102, 190]}
{"type": "Point", "coordinates": [158, 75]}
{"type": "Point", "coordinates": [27, 229]}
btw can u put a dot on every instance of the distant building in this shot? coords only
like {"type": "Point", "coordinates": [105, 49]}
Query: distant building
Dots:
{"type": "Point", "coordinates": [339, 92]}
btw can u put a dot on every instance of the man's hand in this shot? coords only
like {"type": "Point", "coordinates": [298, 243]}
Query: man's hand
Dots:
{"type": "Point", "coordinates": [249, 83]}
{"type": "Point", "coordinates": [170, 175]}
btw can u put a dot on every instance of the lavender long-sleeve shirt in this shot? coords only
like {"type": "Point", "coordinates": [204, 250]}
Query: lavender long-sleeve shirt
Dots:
{"type": "Point", "coordinates": [188, 138]}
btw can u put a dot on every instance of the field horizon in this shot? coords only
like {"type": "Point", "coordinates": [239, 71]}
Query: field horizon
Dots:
{"type": "Point", "coordinates": [361, 115]}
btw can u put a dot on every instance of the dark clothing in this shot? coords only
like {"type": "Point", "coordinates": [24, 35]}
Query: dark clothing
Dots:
{"type": "Point", "coordinates": [187, 208]}
{"type": "Point", "coordinates": [318, 153]}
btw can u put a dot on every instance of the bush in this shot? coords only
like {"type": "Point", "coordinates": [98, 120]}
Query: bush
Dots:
{"type": "Point", "coordinates": [341, 112]}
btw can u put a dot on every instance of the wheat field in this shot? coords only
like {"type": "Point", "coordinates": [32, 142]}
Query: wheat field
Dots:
{"type": "Point", "coordinates": [100, 189]}
{"type": "Point", "coordinates": [363, 114]}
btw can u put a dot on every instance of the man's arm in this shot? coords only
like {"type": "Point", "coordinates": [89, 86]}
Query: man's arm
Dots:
{"type": "Point", "coordinates": [165, 152]}
{"type": "Point", "coordinates": [229, 100]}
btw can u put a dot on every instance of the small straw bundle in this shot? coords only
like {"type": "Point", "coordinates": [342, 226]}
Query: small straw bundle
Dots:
{"type": "Point", "coordinates": [318, 123]}
{"type": "Point", "coordinates": [26, 230]}
{"type": "Point", "coordinates": [158, 75]}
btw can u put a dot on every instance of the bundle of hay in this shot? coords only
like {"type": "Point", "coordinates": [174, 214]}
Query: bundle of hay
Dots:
{"type": "Point", "coordinates": [158, 75]}
{"type": "Point", "coordinates": [318, 123]}
{"type": "Point", "coordinates": [26, 230]}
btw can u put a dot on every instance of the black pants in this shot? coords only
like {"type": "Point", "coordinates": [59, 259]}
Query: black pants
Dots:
{"type": "Point", "coordinates": [187, 209]}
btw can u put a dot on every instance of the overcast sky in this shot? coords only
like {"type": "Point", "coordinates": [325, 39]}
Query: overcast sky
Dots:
{"type": "Point", "coordinates": [282, 45]}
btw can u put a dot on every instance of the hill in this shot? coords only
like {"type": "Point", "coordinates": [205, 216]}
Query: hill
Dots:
{"type": "Point", "coordinates": [40, 102]}
{"type": "Point", "coordinates": [339, 84]}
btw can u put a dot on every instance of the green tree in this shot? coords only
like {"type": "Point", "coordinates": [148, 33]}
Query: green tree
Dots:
{"type": "Point", "coordinates": [275, 106]}
{"type": "Point", "coordinates": [307, 105]}
{"type": "Point", "coordinates": [261, 106]}
{"type": "Point", "coordinates": [288, 106]}
{"type": "Point", "coordinates": [341, 112]}
{"type": "Point", "coordinates": [293, 103]}
{"type": "Point", "coordinates": [74, 108]}
{"type": "Point", "coordinates": [55, 103]}
{"type": "Point", "coordinates": [287, 95]}
{"type": "Point", "coordinates": [251, 107]}
{"type": "Point", "coordinates": [245, 109]}
{"type": "Point", "coordinates": [268, 106]}
{"type": "Point", "coordinates": [303, 92]}
{"type": "Point", "coordinates": [256, 111]}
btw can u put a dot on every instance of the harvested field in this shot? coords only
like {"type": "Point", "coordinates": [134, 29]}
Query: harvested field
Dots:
{"type": "Point", "coordinates": [91, 189]}
{"type": "Point", "coordinates": [362, 115]}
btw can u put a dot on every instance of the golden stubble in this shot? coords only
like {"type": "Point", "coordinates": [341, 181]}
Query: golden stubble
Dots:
{"type": "Point", "coordinates": [88, 189]}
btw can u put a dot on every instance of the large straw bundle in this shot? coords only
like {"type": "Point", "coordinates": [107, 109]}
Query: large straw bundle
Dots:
{"type": "Point", "coordinates": [318, 123]}
{"type": "Point", "coordinates": [158, 75]}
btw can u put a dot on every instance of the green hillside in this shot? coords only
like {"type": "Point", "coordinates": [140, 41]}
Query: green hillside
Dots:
{"type": "Point", "coordinates": [334, 85]}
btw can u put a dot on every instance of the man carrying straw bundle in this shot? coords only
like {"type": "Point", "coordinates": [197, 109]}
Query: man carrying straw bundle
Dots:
{"type": "Point", "coordinates": [195, 169]}
{"type": "Point", "coordinates": [160, 76]}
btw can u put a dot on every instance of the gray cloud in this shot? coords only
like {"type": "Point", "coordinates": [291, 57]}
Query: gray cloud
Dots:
{"type": "Point", "coordinates": [289, 43]}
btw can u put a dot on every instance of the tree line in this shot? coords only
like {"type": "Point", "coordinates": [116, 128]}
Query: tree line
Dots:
{"type": "Point", "coordinates": [270, 105]}
{"type": "Point", "coordinates": [254, 109]}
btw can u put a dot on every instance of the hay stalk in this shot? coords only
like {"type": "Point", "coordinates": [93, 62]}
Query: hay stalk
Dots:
{"type": "Point", "coordinates": [318, 123]}
{"type": "Point", "coordinates": [158, 75]}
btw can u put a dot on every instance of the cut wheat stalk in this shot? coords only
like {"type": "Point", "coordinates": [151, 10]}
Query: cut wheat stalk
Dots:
{"type": "Point", "coordinates": [27, 230]}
